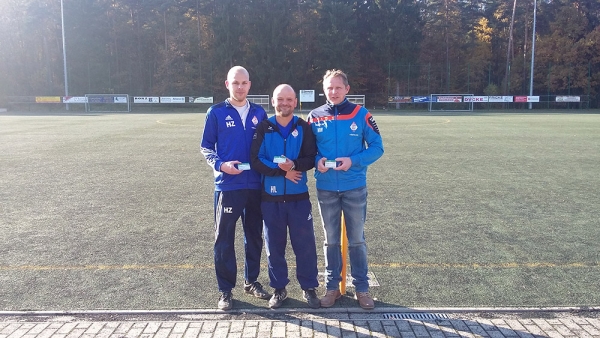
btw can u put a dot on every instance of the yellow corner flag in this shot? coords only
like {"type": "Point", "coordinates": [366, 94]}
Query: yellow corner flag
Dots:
{"type": "Point", "coordinates": [344, 244]}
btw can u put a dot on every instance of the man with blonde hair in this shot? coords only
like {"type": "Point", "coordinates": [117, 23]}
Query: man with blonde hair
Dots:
{"type": "Point", "coordinates": [348, 141]}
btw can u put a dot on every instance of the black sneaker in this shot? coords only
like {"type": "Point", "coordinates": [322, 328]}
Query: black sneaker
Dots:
{"type": "Point", "coordinates": [226, 301]}
{"type": "Point", "coordinates": [311, 297]}
{"type": "Point", "coordinates": [278, 297]}
{"type": "Point", "coordinates": [256, 289]}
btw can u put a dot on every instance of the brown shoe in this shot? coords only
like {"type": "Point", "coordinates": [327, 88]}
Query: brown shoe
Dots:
{"type": "Point", "coordinates": [330, 297]}
{"type": "Point", "coordinates": [365, 300]}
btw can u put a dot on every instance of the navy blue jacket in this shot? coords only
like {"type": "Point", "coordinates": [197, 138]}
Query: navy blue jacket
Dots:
{"type": "Point", "coordinates": [226, 139]}
{"type": "Point", "coordinates": [299, 147]}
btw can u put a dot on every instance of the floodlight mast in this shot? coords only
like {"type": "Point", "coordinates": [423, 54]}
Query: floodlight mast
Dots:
{"type": "Point", "coordinates": [62, 20]}
{"type": "Point", "coordinates": [532, 52]}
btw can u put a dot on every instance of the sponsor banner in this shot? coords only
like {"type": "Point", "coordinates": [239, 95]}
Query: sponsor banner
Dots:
{"type": "Point", "coordinates": [100, 99]}
{"type": "Point", "coordinates": [527, 99]}
{"type": "Point", "coordinates": [500, 99]}
{"type": "Point", "coordinates": [75, 99]}
{"type": "Point", "coordinates": [146, 99]}
{"type": "Point", "coordinates": [417, 99]}
{"type": "Point", "coordinates": [48, 99]}
{"type": "Point", "coordinates": [449, 98]}
{"type": "Point", "coordinates": [119, 99]}
{"type": "Point", "coordinates": [568, 99]}
{"type": "Point", "coordinates": [208, 99]}
{"type": "Point", "coordinates": [172, 99]}
{"type": "Point", "coordinates": [520, 99]}
{"type": "Point", "coordinates": [307, 95]}
{"type": "Point", "coordinates": [400, 99]}
{"type": "Point", "coordinates": [476, 99]}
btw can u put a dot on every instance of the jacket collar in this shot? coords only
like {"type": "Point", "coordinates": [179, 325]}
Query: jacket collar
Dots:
{"type": "Point", "coordinates": [273, 120]}
{"type": "Point", "coordinates": [339, 106]}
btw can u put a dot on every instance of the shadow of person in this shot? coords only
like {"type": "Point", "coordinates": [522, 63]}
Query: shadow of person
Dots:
{"type": "Point", "coordinates": [389, 320]}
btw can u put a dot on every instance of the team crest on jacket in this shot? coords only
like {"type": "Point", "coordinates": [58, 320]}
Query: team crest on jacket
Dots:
{"type": "Point", "coordinates": [255, 120]}
{"type": "Point", "coordinates": [295, 133]}
{"type": "Point", "coordinates": [353, 126]}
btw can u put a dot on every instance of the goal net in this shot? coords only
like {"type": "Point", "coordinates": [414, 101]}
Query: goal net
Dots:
{"type": "Point", "coordinates": [450, 102]}
{"type": "Point", "coordinates": [263, 100]}
{"type": "Point", "coordinates": [107, 103]}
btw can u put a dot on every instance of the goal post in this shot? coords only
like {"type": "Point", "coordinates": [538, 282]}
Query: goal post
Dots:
{"type": "Point", "coordinates": [107, 103]}
{"type": "Point", "coordinates": [263, 100]}
{"type": "Point", "coordinates": [356, 99]}
{"type": "Point", "coordinates": [450, 102]}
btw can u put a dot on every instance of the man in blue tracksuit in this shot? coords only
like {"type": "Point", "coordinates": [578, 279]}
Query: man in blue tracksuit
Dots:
{"type": "Point", "coordinates": [228, 132]}
{"type": "Point", "coordinates": [348, 140]}
{"type": "Point", "coordinates": [283, 150]}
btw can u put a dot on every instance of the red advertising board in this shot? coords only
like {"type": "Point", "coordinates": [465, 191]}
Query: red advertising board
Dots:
{"type": "Point", "coordinates": [520, 98]}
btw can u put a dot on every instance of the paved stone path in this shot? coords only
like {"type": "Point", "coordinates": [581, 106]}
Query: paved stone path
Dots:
{"type": "Point", "coordinates": [286, 323]}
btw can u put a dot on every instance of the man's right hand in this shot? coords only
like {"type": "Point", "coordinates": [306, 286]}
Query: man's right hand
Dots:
{"type": "Point", "coordinates": [230, 168]}
{"type": "Point", "coordinates": [321, 165]}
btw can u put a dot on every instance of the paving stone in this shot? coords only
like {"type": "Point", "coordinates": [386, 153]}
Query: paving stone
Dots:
{"type": "Point", "coordinates": [591, 330]}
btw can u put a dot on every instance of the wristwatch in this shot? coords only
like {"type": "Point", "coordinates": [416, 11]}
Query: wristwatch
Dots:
{"type": "Point", "coordinates": [293, 166]}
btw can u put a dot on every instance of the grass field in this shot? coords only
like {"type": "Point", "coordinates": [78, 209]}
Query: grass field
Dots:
{"type": "Point", "coordinates": [113, 211]}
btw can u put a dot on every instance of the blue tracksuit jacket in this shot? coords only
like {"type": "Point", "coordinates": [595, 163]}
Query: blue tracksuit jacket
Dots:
{"type": "Point", "coordinates": [299, 147]}
{"type": "Point", "coordinates": [226, 139]}
{"type": "Point", "coordinates": [345, 130]}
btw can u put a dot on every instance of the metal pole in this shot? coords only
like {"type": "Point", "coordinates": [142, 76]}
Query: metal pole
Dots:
{"type": "Point", "coordinates": [532, 52]}
{"type": "Point", "coordinates": [62, 20]}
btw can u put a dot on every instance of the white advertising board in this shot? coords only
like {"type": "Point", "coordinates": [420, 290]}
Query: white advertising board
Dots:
{"type": "Point", "coordinates": [476, 99]}
{"type": "Point", "coordinates": [201, 99]}
{"type": "Point", "coordinates": [75, 99]}
{"type": "Point", "coordinates": [449, 99]}
{"type": "Point", "coordinates": [568, 98]}
{"type": "Point", "coordinates": [120, 99]}
{"type": "Point", "coordinates": [146, 99]}
{"type": "Point", "coordinates": [172, 99]}
{"type": "Point", "coordinates": [307, 95]}
{"type": "Point", "coordinates": [500, 99]}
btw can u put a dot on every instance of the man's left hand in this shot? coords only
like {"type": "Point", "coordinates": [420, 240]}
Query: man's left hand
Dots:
{"type": "Point", "coordinates": [294, 176]}
{"type": "Point", "coordinates": [287, 165]}
{"type": "Point", "coordinates": [344, 163]}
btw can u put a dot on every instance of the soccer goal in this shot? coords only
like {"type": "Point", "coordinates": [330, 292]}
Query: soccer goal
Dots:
{"type": "Point", "coordinates": [107, 103]}
{"type": "Point", "coordinates": [450, 102]}
{"type": "Point", "coordinates": [356, 99]}
{"type": "Point", "coordinates": [263, 100]}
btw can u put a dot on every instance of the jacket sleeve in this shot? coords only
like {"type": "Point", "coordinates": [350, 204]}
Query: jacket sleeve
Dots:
{"type": "Point", "coordinates": [258, 160]}
{"type": "Point", "coordinates": [318, 155]}
{"type": "Point", "coordinates": [373, 140]}
{"type": "Point", "coordinates": [308, 151]}
{"type": "Point", "coordinates": [209, 141]}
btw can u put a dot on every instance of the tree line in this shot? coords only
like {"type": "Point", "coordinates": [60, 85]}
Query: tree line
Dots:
{"type": "Point", "coordinates": [388, 47]}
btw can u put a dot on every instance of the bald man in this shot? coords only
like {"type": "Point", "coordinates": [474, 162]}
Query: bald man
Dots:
{"type": "Point", "coordinates": [283, 150]}
{"type": "Point", "coordinates": [228, 132]}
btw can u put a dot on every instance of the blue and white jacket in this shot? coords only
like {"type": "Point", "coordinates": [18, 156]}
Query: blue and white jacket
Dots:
{"type": "Point", "coordinates": [226, 139]}
{"type": "Point", "coordinates": [299, 147]}
{"type": "Point", "coordinates": [345, 130]}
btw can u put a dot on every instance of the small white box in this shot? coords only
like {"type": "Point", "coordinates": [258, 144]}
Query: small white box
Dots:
{"type": "Point", "coordinates": [330, 164]}
{"type": "Point", "coordinates": [279, 159]}
{"type": "Point", "coordinates": [243, 166]}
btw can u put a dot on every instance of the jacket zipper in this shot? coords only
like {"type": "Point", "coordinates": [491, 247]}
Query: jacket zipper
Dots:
{"type": "Point", "coordinates": [335, 115]}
